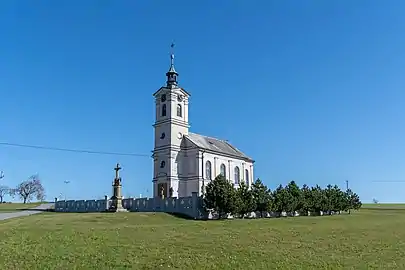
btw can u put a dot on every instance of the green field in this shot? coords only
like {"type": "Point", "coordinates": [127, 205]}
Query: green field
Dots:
{"type": "Point", "coordinates": [368, 239]}
{"type": "Point", "coordinates": [387, 206]}
{"type": "Point", "coordinates": [13, 207]}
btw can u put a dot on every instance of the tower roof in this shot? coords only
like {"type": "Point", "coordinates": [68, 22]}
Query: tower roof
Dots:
{"type": "Point", "coordinates": [172, 69]}
{"type": "Point", "coordinates": [172, 73]}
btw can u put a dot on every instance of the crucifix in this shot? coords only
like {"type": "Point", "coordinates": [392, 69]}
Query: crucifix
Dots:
{"type": "Point", "coordinates": [117, 169]}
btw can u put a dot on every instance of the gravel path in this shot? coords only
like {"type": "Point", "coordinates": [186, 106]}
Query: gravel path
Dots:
{"type": "Point", "coordinates": [32, 211]}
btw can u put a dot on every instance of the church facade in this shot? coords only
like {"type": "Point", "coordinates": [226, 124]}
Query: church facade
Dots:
{"type": "Point", "coordinates": [184, 162]}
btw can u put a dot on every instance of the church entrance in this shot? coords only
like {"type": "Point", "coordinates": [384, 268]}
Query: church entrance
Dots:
{"type": "Point", "coordinates": [162, 190]}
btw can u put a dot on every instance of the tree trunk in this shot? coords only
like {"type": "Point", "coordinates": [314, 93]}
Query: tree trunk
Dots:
{"type": "Point", "coordinates": [25, 199]}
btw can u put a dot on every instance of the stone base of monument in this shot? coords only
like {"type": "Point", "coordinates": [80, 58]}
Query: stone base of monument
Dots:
{"type": "Point", "coordinates": [116, 206]}
{"type": "Point", "coordinates": [115, 210]}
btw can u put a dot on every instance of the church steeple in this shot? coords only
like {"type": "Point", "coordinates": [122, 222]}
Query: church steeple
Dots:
{"type": "Point", "coordinates": [172, 74]}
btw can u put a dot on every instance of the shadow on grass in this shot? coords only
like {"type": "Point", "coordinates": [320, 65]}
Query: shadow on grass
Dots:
{"type": "Point", "coordinates": [179, 215]}
{"type": "Point", "coordinates": [25, 209]}
{"type": "Point", "coordinates": [37, 210]}
{"type": "Point", "coordinates": [176, 215]}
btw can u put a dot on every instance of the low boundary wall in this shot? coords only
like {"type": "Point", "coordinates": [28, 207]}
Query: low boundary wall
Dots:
{"type": "Point", "coordinates": [189, 206]}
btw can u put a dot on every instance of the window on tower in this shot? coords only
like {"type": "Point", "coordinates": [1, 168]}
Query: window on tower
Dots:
{"type": "Point", "coordinates": [247, 177]}
{"type": "Point", "coordinates": [179, 110]}
{"type": "Point", "coordinates": [223, 170]}
{"type": "Point", "coordinates": [162, 164]}
{"type": "Point", "coordinates": [164, 110]}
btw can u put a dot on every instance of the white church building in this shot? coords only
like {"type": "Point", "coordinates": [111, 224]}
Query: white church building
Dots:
{"type": "Point", "coordinates": [185, 162]}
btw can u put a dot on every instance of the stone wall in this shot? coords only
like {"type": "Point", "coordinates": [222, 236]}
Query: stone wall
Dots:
{"type": "Point", "coordinates": [188, 206]}
{"type": "Point", "coordinates": [81, 206]}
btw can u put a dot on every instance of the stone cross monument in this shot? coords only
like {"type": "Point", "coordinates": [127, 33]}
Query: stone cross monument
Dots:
{"type": "Point", "coordinates": [116, 199]}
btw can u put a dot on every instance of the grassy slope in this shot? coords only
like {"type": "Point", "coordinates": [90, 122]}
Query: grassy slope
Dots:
{"type": "Point", "coordinates": [369, 239]}
{"type": "Point", "coordinates": [13, 207]}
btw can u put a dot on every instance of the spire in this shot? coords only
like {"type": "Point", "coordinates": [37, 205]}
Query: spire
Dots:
{"type": "Point", "coordinates": [172, 74]}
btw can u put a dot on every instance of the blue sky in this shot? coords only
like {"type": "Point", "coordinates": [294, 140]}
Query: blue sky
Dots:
{"type": "Point", "coordinates": [313, 90]}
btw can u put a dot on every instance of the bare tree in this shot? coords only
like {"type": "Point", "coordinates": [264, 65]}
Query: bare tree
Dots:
{"type": "Point", "coordinates": [29, 189]}
{"type": "Point", "coordinates": [4, 190]}
{"type": "Point", "coordinates": [375, 200]}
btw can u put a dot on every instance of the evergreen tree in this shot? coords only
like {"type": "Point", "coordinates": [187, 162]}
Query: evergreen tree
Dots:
{"type": "Point", "coordinates": [307, 199]}
{"type": "Point", "coordinates": [352, 200]}
{"type": "Point", "coordinates": [245, 202]}
{"type": "Point", "coordinates": [339, 199]}
{"type": "Point", "coordinates": [318, 198]}
{"type": "Point", "coordinates": [220, 195]}
{"type": "Point", "coordinates": [282, 200]}
{"type": "Point", "coordinates": [262, 197]}
{"type": "Point", "coordinates": [328, 195]}
{"type": "Point", "coordinates": [294, 196]}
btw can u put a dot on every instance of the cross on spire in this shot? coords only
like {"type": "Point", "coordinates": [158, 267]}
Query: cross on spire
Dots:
{"type": "Point", "coordinates": [172, 55]}
{"type": "Point", "coordinates": [172, 74]}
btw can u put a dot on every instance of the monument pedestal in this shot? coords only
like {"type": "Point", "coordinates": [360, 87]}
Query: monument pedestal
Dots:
{"type": "Point", "coordinates": [116, 205]}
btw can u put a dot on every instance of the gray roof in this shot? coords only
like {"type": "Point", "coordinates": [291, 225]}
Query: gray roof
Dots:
{"type": "Point", "coordinates": [216, 145]}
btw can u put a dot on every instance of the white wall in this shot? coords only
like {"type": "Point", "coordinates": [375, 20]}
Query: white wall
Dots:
{"type": "Point", "coordinates": [177, 124]}
{"type": "Point", "coordinates": [193, 170]}
{"type": "Point", "coordinates": [230, 164]}
{"type": "Point", "coordinates": [168, 148]}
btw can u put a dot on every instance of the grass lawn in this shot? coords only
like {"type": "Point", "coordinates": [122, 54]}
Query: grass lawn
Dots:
{"type": "Point", "coordinates": [384, 206]}
{"type": "Point", "coordinates": [368, 239]}
{"type": "Point", "coordinates": [14, 207]}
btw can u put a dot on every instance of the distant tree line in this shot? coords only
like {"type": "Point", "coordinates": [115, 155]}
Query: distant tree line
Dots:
{"type": "Point", "coordinates": [221, 197]}
{"type": "Point", "coordinates": [26, 190]}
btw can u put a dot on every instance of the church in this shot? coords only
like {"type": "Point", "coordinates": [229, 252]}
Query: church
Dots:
{"type": "Point", "coordinates": [184, 162]}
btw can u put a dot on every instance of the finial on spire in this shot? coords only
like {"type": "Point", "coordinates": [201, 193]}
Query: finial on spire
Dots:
{"type": "Point", "coordinates": [172, 53]}
{"type": "Point", "coordinates": [171, 74]}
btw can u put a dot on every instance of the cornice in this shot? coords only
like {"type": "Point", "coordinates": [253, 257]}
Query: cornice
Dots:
{"type": "Point", "coordinates": [171, 121]}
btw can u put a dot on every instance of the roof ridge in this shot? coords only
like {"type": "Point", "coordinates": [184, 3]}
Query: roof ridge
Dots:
{"type": "Point", "coordinates": [209, 137]}
{"type": "Point", "coordinates": [215, 144]}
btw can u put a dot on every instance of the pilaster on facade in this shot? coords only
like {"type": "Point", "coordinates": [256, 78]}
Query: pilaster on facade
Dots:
{"type": "Point", "coordinates": [229, 171]}
{"type": "Point", "coordinates": [215, 167]}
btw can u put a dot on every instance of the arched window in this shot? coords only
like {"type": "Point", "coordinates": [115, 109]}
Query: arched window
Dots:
{"type": "Point", "coordinates": [247, 177]}
{"type": "Point", "coordinates": [162, 164]}
{"type": "Point", "coordinates": [237, 175]}
{"type": "Point", "coordinates": [179, 110]}
{"type": "Point", "coordinates": [223, 170]}
{"type": "Point", "coordinates": [164, 110]}
{"type": "Point", "coordinates": [208, 170]}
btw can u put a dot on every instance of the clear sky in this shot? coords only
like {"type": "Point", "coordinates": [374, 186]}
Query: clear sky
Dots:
{"type": "Point", "coordinates": [312, 90]}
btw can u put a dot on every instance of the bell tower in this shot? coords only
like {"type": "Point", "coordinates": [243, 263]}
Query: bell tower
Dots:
{"type": "Point", "coordinates": [171, 123]}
